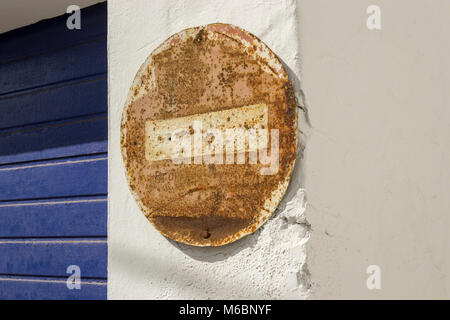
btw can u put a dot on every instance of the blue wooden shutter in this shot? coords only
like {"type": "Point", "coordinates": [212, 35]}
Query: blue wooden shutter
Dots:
{"type": "Point", "coordinates": [53, 158]}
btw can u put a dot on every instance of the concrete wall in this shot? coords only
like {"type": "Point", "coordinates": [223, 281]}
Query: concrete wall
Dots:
{"type": "Point", "coordinates": [376, 165]}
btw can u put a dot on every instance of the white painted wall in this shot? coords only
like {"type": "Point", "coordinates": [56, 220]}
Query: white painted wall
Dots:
{"type": "Point", "coordinates": [142, 263]}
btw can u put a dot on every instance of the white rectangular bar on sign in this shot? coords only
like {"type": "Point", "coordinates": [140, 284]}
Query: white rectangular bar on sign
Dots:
{"type": "Point", "coordinates": [198, 135]}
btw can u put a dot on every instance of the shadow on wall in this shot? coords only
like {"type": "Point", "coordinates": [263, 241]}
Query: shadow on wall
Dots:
{"type": "Point", "coordinates": [179, 275]}
{"type": "Point", "coordinates": [215, 254]}
{"type": "Point", "coordinates": [270, 263]}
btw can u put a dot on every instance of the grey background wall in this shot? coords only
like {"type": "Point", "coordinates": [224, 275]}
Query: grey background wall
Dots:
{"type": "Point", "coordinates": [377, 162]}
{"type": "Point", "coordinates": [142, 263]}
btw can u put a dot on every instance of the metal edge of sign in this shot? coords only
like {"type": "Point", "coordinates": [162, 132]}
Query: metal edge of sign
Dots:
{"type": "Point", "coordinates": [267, 58]}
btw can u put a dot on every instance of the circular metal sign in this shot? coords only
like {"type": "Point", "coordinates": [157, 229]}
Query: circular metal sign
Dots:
{"type": "Point", "coordinates": [209, 135]}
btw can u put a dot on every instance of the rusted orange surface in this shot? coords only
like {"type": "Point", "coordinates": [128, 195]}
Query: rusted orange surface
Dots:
{"type": "Point", "coordinates": [202, 71]}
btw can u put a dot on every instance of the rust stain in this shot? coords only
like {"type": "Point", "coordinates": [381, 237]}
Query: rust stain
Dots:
{"type": "Point", "coordinates": [203, 70]}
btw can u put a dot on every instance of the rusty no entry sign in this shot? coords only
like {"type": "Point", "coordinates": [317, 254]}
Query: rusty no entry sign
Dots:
{"type": "Point", "coordinates": [209, 135]}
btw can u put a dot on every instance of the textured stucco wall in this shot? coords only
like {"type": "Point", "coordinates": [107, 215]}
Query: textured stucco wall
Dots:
{"type": "Point", "coordinates": [18, 13]}
{"type": "Point", "coordinates": [142, 263]}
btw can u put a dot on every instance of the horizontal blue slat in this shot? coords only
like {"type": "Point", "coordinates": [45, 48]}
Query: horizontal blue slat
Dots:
{"type": "Point", "coordinates": [57, 179]}
{"type": "Point", "coordinates": [75, 99]}
{"type": "Point", "coordinates": [35, 289]}
{"type": "Point", "coordinates": [60, 139]}
{"type": "Point", "coordinates": [52, 34]}
{"type": "Point", "coordinates": [72, 63]}
{"type": "Point", "coordinates": [52, 257]}
{"type": "Point", "coordinates": [56, 218]}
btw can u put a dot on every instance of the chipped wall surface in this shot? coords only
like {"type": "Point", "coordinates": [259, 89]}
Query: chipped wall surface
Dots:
{"type": "Point", "coordinates": [373, 163]}
{"type": "Point", "coordinates": [142, 263]}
